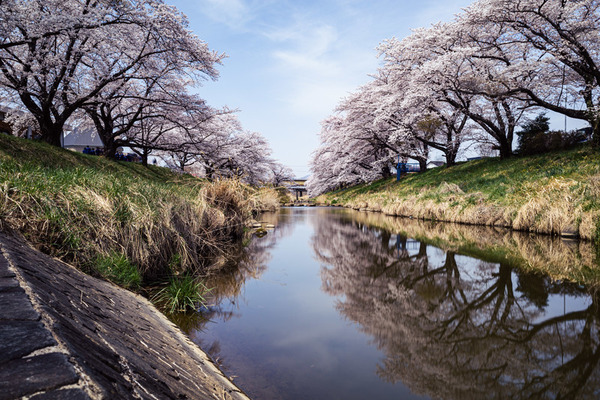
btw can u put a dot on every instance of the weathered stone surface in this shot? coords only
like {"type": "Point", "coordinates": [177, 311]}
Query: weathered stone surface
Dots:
{"type": "Point", "coordinates": [9, 285]}
{"type": "Point", "coordinates": [64, 394]}
{"type": "Point", "coordinates": [20, 338]}
{"type": "Point", "coordinates": [21, 334]}
{"type": "Point", "coordinates": [31, 375]}
{"type": "Point", "coordinates": [124, 346]}
{"type": "Point", "coordinates": [4, 270]}
{"type": "Point", "coordinates": [14, 305]}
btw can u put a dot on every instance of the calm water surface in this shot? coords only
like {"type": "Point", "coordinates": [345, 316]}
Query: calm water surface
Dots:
{"type": "Point", "coordinates": [331, 305]}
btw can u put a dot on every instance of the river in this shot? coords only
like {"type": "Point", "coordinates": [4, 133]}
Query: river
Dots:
{"type": "Point", "coordinates": [341, 304]}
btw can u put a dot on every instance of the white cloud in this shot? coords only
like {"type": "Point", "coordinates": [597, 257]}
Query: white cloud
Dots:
{"type": "Point", "coordinates": [317, 99]}
{"type": "Point", "coordinates": [304, 44]}
{"type": "Point", "coordinates": [233, 13]}
{"type": "Point", "coordinates": [318, 62]}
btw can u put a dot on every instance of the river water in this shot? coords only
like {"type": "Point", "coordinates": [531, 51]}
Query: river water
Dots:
{"type": "Point", "coordinates": [341, 304]}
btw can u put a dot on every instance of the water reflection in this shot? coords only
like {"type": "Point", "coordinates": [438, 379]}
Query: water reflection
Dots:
{"type": "Point", "coordinates": [456, 327]}
{"type": "Point", "coordinates": [250, 261]}
{"type": "Point", "coordinates": [247, 262]}
{"type": "Point", "coordinates": [457, 313]}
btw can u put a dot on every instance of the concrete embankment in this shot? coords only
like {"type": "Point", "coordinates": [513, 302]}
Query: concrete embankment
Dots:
{"type": "Point", "coordinates": [66, 335]}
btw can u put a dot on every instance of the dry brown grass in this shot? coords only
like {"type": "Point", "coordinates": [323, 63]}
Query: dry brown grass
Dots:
{"type": "Point", "coordinates": [150, 232]}
{"type": "Point", "coordinates": [556, 193]}
{"type": "Point", "coordinates": [83, 209]}
{"type": "Point", "coordinates": [553, 208]}
{"type": "Point", "coordinates": [559, 258]}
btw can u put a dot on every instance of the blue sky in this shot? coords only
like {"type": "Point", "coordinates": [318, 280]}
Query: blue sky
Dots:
{"type": "Point", "coordinates": [290, 62]}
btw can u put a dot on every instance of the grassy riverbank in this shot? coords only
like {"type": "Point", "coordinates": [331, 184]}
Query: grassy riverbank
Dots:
{"type": "Point", "coordinates": [127, 223]}
{"type": "Point", "coordinates": [555, 193]}
{"type": "Point", "coordinates": [572, 260]}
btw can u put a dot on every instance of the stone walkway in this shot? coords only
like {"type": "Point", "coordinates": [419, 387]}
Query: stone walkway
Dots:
{"type": "Point", "coordinates": [66, 335]}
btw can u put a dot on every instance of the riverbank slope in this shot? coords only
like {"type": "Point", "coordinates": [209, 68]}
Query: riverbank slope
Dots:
{"type": "Point", "coordinates": [120, 221]}
{"type": "Point", "coordinates": [66, 335]}
{"type": "Point", "coordinates": [554, 193]}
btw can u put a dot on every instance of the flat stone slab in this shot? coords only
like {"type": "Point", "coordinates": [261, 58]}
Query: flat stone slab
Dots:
{"type": "Point", "coordinates": [9, 284]}
{"type": "Point", "coordinates": [31, 375]}
{"type": "Point", "coordinates": [15, 305]}
{"type": "Point", "coordinates": [21, 338]}
{"type": "Point", "coordinates": [5, 272]}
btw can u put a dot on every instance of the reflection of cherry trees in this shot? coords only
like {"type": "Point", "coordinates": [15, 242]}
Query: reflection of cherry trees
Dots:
{"type": "Point", "coordinates": [454, 327]}
{"type": "Point", "coordinates": [570, 260]}
{"type": "Point", "coordinates": [246, 262]}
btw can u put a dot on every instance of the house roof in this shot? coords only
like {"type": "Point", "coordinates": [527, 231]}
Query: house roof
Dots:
{"type": "Point", "coordinates": [86, 137]}
{"type": "Point", "coordinates": [438, 163]}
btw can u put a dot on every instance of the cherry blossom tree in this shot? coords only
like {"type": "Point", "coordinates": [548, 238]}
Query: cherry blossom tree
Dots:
{"type": "Point", "coordinates": [57, 56]}
{"type": "Point", "coordinates": [359, 145]}
{"type": "Point", "coordinates": [547, 49]}
{"type": "Point", "coordinates": [249, 158]}
{"type": "Point", "coordinates": [414, 104]}
{"type": "Point", "coordinates": [323, 166]}
{"type": "Point", "coordinates": [450, 69]}
{"type": "Point", "coordinates": [218, 146]}
{"type": "Point", "coordinates": [490, 67]}
{"type": "Point", "coordinates": [351, 152]}
{"type": "Point", "coordinates": [281, 174]}
{"type": "Point", "coordinates": [166, 121]}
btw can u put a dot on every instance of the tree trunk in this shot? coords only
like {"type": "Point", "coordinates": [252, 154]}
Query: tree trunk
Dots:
{"type": "Point", "coordinates": [386, 172]}
{"type": "Point", "coordinates": [450, 158]}
{"type": "Point", "coordinates": [505, 148]}
{"type": "Point", "coordinates": [595, 124]}
{"type": "Point", "coordinates": [451, 145]}
{"type": "Point", "coordinates": [53, 137]}
{"type": "Point", "coordinates": [144, 156]}
{"type": "Point", "coordinates": [422, 164]}
{"type": "Point", "coordinates": [104, 127]}
{"type": "Point", "coordinates": [110, 146]}
{"type": "Point", "coordinates": [51, 132]}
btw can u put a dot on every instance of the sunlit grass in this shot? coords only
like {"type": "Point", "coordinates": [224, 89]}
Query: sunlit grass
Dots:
{"type": "Point", "coordinates": [553, 193]}
{"type": "Point", "coordinates": [182, 293]}
{"type": "Point", "coordinates": [117, 268]}
{"type": "Point", "coordinates": [85, 209]}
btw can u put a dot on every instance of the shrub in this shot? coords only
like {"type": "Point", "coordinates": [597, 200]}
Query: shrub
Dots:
{"type": "Point", "coordinates": [536, 137]}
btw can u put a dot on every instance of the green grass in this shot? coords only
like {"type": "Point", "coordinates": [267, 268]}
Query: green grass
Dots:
{"type": "Point", "coordinates": [181, 294]}
{"type": "Point", "coordinates": [500, 180]}
{"type": "Point", "coordinates": [86, 209]}
{"type": "Point", "coordinates": [117, 268]}
{"type": "Point", "coordinates": [519, 189]}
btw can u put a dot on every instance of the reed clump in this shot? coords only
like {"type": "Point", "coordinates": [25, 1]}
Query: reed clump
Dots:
{"type": "Point", "coordinates": [100, 215]}
{"type": "Point", "coordinates": [556, 193]}
{"type": "Point", "coordinates": [182, 293]}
